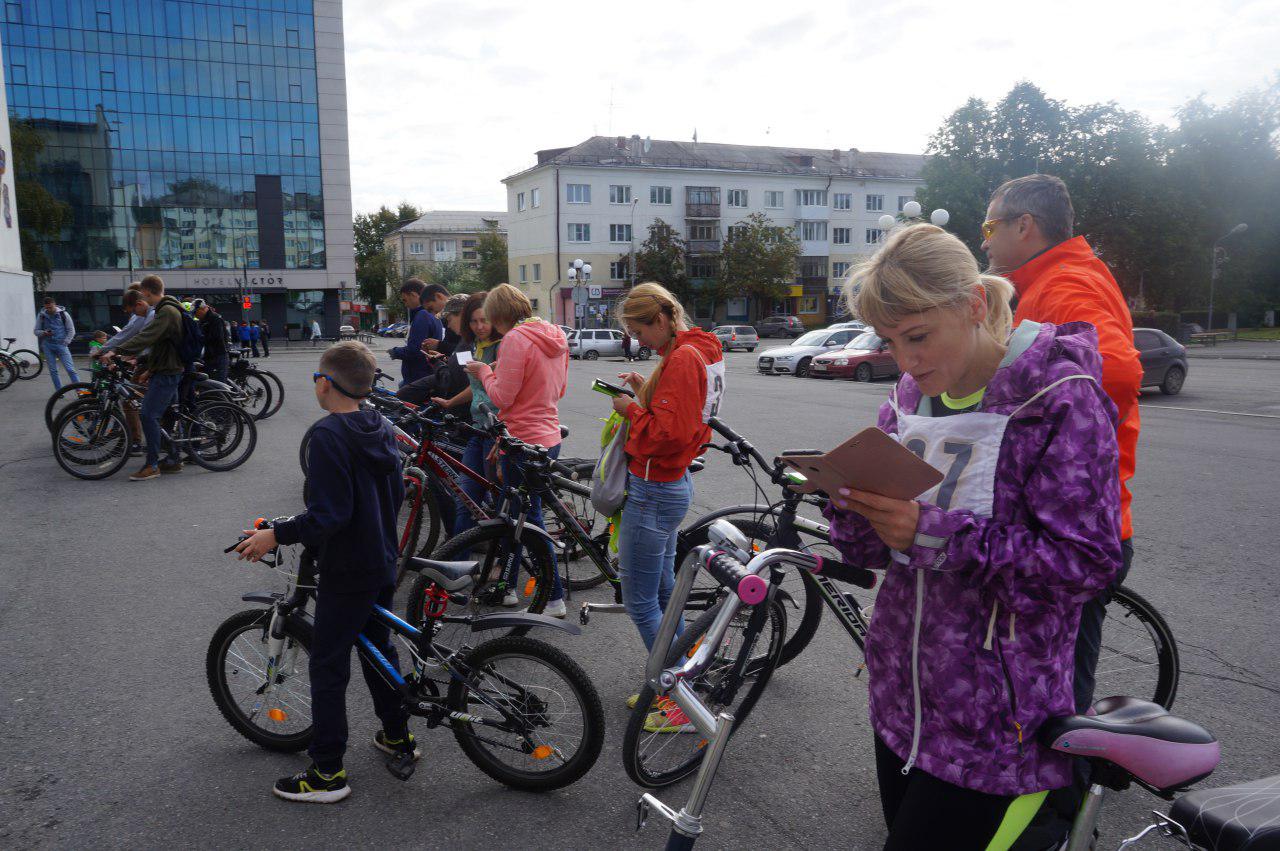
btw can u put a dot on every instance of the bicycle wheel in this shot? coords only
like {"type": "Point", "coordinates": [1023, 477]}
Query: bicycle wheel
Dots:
{"type": "Point", "coordinates": [8, 371]}
{"type": "Point", "coordinates": [803, 595]}
{"type": "Point", "coordinates": [90, 442]}
{"type": "Point", "coordinates": [577, 569]}
{"type": "Point", "coordinates": [432, 520]}
{"type": "Point", "coordinates": [656, 759]}
{"type": "Point", "coordinates": [550, 729]}
{"type": "Point", "coordinates": [221, 435]}
{"type": "Point", "coordinates": [257, 394]}
{"type": "Point", "coordinates": [490, 546]}
{"type": "Point", "coordinates": [409, 520]}
{"type": "Point", "coordinates": [277, 391]}
{"type": "Point", "coordinates": [236, 667]}
{"type": "Point", "coordinates": [30, 364]}
{"type": "Point", "coordinates": [1139, 656]}
{"type": "Point", "coordinates": [66, 395]}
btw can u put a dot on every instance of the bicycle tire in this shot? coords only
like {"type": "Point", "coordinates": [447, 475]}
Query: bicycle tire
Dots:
{"type": "Point", "coordinates": [257, 391]}
{"type": "Point", "coordinates": [580, 571]}
{"type": "Point", "coordinates": [570, 672]}
{"type": "Point", "coordinates": [229, 413]}
{"type": "Point", "coordinates": [114, 435]}
{"type": "Point", "coordinates": [277, 391]}
{"type": "Point", "coordinates": [296, 630]}
{"type": "Point", "coordinates": [304, 447]}
{"type": "Point", "coordinates": [478, 544]}
{"type": "Point", "coordinates": [1125, 603]}
{"type": "Point", "coordinates": [52, 409]}
{"type": "Point", "coordinates": [8, 371]}
{"type": "Point", "coordinates": [432, 518]}
{"type": "Point", "coordinates": [759, 532]}
{"type": "Point", "coordinates": [30, 364]}
{"type": "Point", "coordinates": [408, 526]}
{"type": "Point", "coordinates": [759, 670]}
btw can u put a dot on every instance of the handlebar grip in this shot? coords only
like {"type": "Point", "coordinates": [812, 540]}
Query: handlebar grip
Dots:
{"type": "Point", "coordinates": [730, 573]}
{"type": "Point", "coordinates": [842, 572]}
{"type": "Point", "coordinates": [719, 425]}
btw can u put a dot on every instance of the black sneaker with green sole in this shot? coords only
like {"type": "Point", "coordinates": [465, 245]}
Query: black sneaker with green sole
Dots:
{"type": "Point", "coordinates": [395, 747]}
{"type": "Point", "coordinates": [313, 787]}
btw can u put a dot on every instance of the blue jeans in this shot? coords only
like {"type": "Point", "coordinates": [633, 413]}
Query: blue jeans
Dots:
{"type": "Point", "coordinates": [651, 518]}
{"type": "Point", "coordinates": [54, 352]}
{"type": "Point", "coordinates": [473, 457]}
{"type": "Point", "coordinates": [161, 392]}
{"type": "Point", "coordinates": [512, 475]}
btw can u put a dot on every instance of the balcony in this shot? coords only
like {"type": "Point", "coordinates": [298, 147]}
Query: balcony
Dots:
{"type": "Point", "coordinates": [702, 211]}
{"type": "Point", "coordinates": [813, 212]}
{"type": "Point", "coordinates": [815, 247]}
{"type": "Point", "coordinates": [703, 246]}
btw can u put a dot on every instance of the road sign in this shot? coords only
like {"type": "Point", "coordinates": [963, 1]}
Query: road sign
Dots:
{"type": "Point", "coordinates": [595, 291]}
{"type": "Point", "coordinates": [580, 310]}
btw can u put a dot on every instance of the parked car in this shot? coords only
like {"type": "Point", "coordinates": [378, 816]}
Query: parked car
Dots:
{"type": "Point", "coordinates": [592, 343]}
{"type": "Point", "coordinates": [780, 325]}
{"type": "Point", "coordinates": [796, 358]}
{"type": "Point", "coordinates": [737, 337]}
{"type": "Point", "coordinates": [395, 329]}
{"type": "Point", "coordinates": [346, 331]}
{"type": "Point", "coordinates": [1164, 360]}
{"type": "Point", "coordinates": [863, 358]}
{"type": "Point", "coordinates": [566, 329]}
{"type": "Point", "coordinates": [851, 323]}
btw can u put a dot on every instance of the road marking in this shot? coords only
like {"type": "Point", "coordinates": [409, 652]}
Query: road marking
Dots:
{"type": "Point", "coordinates": [1208, 411]}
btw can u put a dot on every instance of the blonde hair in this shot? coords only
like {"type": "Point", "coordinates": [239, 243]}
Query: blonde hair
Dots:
{"type": "Point", "coordinates": [920, 268]}
{"type": "Point", "coordinates": [506, 305]}
{"type": "Point", "coordinates": [642, 306]}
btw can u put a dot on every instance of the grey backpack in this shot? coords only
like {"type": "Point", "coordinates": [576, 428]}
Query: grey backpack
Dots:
{"type": "Point", "coordinates": [609, 478]}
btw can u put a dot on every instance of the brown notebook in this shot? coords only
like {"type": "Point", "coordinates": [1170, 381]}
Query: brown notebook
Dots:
{"type": "Point", "coordinates": [871, 461]}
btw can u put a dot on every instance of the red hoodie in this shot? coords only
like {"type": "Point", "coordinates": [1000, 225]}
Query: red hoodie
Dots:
{"type": "Point", "coordinates": [669, 434]}
{"type": "Point", "coordinates": [528, 381]}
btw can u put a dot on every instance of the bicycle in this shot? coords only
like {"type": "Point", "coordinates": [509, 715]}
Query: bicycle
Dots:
{"type": "Point", "coordinates": [91, 439]}
{"type": "Point", "coordinates": [205, 388]}
{"type": "Point", "coordinates": [28, 363]}
{"type": "Point", "coordinates": [521, 710]}
{"type": "Point", "coordinates": [8, 371]}
{"type": "Point", "coordinates": [1127, 740]}
{"type": "Point", "coordinates": [263, 390]}
{"type": "Point", "coordinates": [1139, 654]}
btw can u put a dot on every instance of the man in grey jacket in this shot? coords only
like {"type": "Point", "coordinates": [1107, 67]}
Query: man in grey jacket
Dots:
{"type": "Point", "coordinates": [55, 330]}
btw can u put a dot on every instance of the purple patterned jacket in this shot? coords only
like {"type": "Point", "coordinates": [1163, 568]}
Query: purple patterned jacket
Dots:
{"type": "Point", "coordinates": [1003, 594]}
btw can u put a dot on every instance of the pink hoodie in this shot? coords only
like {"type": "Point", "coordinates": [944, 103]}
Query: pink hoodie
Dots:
{"type": "Point", "coordinates": [528, 381]}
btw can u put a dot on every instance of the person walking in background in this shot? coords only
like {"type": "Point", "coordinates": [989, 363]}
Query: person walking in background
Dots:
{"type": "Point", "coordinates": [215, 339]}
{"type": "Point", "coordinates": [315, 331]}
{"type": "Point", "coordinates": [255, 334]}
{"type": "Point", "coordinates": [626, 345]}
{"type": "Point", "coordinates": [55, 330]}
{"type": "Point", "coordinates": [244, 339]}
{"type": "Point", "coordinates": [266, 338]}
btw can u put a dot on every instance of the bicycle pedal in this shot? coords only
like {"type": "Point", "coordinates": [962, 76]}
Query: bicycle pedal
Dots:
{"type": "Point", "coordinates": [402, 766]}
{"type": "Point", "coordinates": [642, 814]}
{"type": "Point", "coordinates": [584, 614]}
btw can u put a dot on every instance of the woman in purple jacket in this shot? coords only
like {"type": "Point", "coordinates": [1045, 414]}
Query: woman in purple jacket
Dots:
{"type": "Point", "coordinates": [972, 634]}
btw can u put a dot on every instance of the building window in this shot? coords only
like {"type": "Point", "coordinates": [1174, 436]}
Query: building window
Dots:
{"type": "Point", "coordinates": [246, 144]}
{"type": "Point", "coordinates": [874, 235]}
{"type": "Point", "coordinates": [416, 248]}
{"type": "Point", "coordinates": [19, 74]}
{"type": "Point", "coordinates": [813, 231]}
{"type": "Point", "coordinates": [579, 232]}
{"type": "Point", "coordinates": [107, 80]}
{"type": "Point", "coordinates": [299, 148]}
{"type": "Point", "coordinates": [619, 233]}
{"type": "Point", "coordinates": [537, 271]}
{"type": "Point", "coordinates": [618, 271]}
{"type": "Point", "coordinates": [444, 249]}
{"type": "Point", "coordinates": [773, 200]}
{"type": "Point", "coordinates": [875, 203]}
{"type": "Point", "coordinates": [842, 201]}
{"type": "Point", "coordinates": [903, 199]}
{"type": "Point", "coordinates": [841, 236]}
{"type": "Point", "coordinates": [468, 243]}
{"type": "Point", "coordinates": [13, 13]}
{"type": "Point", "coordinates": [577, 193]}
{"type": "Point", "coordinates": [470, 255]}
{"type": "Point", "coordinates": [240, 33]}
{"type": "Point", "coordinates": [808, 304]}
{"type": "Point", "coordinates": [702, 267]}
{"type": "Point", "coordinates": [702, 231]}
{"type": "Point", "coordinates": [290, 38]}
{"type": "Point", "coordinates": [523, 276]}
{"type": "Point", "coordinates": [295, 93]}
{"type": "Point", "coordinates": [813, 267]}
{"type": "Point", "coordinates": [533, 302]}
{"type": "Point", "coordinates": [737, 198]}
{"type": "Point", "coordinates": [813, 197]}
{"type": "Point", "coordinates": [735, 231]}
{"type": "Point", "coordinates": [535, 199]}
{"type": "Point", "coordinates": [839, 269]}
{"type": "Point", "coordinates": [702, 194]}
{"type": "Point", "coordinates": [659, 194]}
{"type": "Point", "coordinates": [242, 89]}
{"type": "Point", "coordinates": [519, 202]}
{"type": "Point", "coordinates": [619, 194]}
{"type": "Point", "coordinates": [104, 21]}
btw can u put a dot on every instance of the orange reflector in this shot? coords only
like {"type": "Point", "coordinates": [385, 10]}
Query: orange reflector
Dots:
{"type": "Point", "coordinates": [694, 648]}
{"type": "Point", "coordinates": [276, 714]}
{"type": "Point", "coordinates": [257, 524]}
{"type": "Point", "coordinates": [702, 744]}
{"type": "Point", "coordinates": [755, 548]}
{"type": "Point", "coordinates": [529, 586]}
{"type": "Point", "coordinates": [542, 752]}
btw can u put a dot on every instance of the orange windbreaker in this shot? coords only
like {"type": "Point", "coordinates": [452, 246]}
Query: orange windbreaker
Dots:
{"type": "Point", "coordinates": [1068, 283]}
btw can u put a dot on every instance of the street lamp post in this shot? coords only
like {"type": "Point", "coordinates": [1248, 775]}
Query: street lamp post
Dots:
{"type": "Point", "coordinates": [580, 274]}
{"type": "Point", "coordinates": [631, 260]}
{"type": "Point", "coordinates": [1213, 273]}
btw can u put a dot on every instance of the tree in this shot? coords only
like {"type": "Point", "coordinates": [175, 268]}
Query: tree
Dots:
{"type": "Point", "coordinates": [454, 275]}
{"type": "Point", "coordinates": [375, 265]}
{"type": "Point", "coordinates": [758, 260]}
{"type": "Point", "coordinates": [661, 258]}
{"type": "Point", "coordinates": [492, 251]}
{"type": "Point", "coordinates": [40, 215]}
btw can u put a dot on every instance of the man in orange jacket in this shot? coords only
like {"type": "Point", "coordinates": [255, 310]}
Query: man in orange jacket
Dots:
{"type": "Point", "coordinates": [1058, 278]}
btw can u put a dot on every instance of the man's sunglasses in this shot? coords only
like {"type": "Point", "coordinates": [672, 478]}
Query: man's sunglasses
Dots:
{"type": "Point", "coordinates": [989, 226]}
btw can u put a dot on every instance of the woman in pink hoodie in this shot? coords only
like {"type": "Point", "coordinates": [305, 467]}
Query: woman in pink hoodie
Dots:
{"type": "Point", "coordinates": [527, 384]}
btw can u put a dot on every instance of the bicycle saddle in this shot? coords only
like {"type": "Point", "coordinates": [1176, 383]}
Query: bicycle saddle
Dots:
{"type": "Point", "coordinates": [1232, 818]}
{"type": "Point", "coordinates": [449, 575]}
{"type": "Point", "coordinates": [11, 339]}
{"type": "Point", "coordinates": [696, 464]}
{"type": "Point", "coordinates": [1161, 750]}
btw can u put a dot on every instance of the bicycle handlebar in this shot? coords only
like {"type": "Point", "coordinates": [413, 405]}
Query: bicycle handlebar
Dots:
{"type": "Point", "coordinates": [732, 574]}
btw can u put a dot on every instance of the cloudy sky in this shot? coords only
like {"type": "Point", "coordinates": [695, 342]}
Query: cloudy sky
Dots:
{"type": "Point", "coordinates": [446, 99]}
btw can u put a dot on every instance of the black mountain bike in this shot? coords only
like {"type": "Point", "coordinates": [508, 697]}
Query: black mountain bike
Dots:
{"type": "Point", "coordinates": [263, 391]}
{"type": "Point", "coordinates": [521, 710]}
{"type": "Point", "coordinates": [28, 363]}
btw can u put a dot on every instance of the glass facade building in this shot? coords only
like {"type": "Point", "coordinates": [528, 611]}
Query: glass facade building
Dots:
{"type": "Point", "coordinates": [183, 136]}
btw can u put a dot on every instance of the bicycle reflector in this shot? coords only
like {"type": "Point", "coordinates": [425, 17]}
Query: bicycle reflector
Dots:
{"type": "Point", "coordinates": [529, 586]}
{"type": "Point", "coordinates": [276, 714]}
{"type": "Point", "coordinates": [542, 752]}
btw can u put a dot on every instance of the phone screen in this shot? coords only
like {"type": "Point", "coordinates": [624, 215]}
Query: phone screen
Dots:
{"type": "Point", "coordinates": [463, 357]}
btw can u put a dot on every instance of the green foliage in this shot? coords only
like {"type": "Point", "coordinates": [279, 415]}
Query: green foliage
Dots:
{"type": "Point", "coordinates": [758, 260]}
{"type": "Point", "coordinates": [661, 258]}
{"type": "Point", "coordinates": [491, 248]}
{"type": "Point", "coordinates": [1150, 200]}
{"type": "Point", "coordinates": [39, 213]}
{"type": "Point", "coordinates": [455, 275]}
{"type": "Point", "coordinates": [1165, 320]}
{"type": "Point", "coordinates": [375, 264]}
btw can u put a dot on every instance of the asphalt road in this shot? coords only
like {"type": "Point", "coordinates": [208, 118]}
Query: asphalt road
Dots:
{"type": "Point", "coordinates": [110, 591]}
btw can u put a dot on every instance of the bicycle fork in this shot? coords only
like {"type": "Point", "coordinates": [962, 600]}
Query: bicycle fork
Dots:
{"type": "Point", "coordinates": [279, 666]}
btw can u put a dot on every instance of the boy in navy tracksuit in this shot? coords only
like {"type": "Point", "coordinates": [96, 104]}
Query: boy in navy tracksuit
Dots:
{"type": "Point", "coordinates": [350, 522]}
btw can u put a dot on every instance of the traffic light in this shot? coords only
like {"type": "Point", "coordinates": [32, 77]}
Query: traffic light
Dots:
{"type": "Point", "coordinates": [247, 303]}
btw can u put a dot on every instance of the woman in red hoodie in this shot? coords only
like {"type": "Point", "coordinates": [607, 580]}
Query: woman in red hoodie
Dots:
{"type": "Point", "coordinates": [526, 384]}
{"type": "Point", "coordinates": [668, 422]}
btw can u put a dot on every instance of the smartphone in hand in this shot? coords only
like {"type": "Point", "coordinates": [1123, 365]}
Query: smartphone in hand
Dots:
{"type": "Point", "coordinates": [610, 389]}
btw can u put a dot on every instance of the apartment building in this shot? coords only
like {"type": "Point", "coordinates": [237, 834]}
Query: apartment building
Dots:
{"type": "Point", "coordinates": [442, 236]}
{"type": "Point", "coordinates": [596, 200]}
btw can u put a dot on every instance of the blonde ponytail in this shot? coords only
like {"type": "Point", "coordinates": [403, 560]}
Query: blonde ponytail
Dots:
{"type": "Point", "coordinates": [642, 306]}
{"type": "Point", "coordinates": [999, 321]}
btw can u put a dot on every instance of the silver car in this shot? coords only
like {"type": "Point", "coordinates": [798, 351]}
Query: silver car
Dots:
{"type": "Point", "coordinates": [592, 343]}
{"type": "Point", "coordinates": [737, 337]}
{"type": "Point", "coordinates": [795, 358]}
